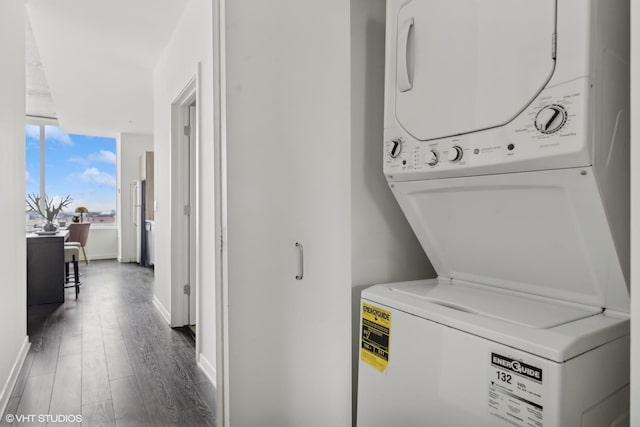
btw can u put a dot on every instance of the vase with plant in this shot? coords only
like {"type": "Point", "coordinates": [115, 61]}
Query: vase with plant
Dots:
{"type": "Point", "coordinates": [47, 208]}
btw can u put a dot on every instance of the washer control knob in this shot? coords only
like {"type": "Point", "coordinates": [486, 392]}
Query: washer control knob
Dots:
{"type": "Point", "coordinates": [395, 148]}
{"type": "Point", "coordinates": [455, 154]}
{"type": "Point", "coordinates": [551, 119]}
{"type": "Point", "coordinates": [432, 158]}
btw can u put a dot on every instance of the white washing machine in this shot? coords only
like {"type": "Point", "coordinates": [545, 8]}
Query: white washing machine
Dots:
{"type": "Point", "coordinates": [507, 148]}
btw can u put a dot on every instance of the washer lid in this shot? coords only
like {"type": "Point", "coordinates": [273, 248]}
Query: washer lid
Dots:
{"type": "Point", "coordinates": [573, 332]}
{"type": "Point", "coordinates": [541, 233]}
{"type": "Point", "coordinates": [528, 311]}
{"type": "Point", "coordinates": [466, 65]}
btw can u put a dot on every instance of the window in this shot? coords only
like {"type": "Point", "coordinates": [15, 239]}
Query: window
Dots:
{"type": "Point", "coordinates": [82, 166]}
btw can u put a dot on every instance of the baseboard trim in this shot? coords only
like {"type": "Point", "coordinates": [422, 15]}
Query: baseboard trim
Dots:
{"type": "Point", "coordinates": [7, 390]}
{"type": "Point", "coordinates": [207, 368]}
{"type": "Point", "coordinates": [103, 256]}
{"type": "Point", "coordinates": [166, 315]}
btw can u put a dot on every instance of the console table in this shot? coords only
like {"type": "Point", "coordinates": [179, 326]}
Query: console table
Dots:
{"type": "Point", "coordinates": [45, 268]}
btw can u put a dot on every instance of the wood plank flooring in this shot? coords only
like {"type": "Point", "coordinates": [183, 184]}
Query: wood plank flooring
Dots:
{"type": "Point", "coordinates": [111, 358]}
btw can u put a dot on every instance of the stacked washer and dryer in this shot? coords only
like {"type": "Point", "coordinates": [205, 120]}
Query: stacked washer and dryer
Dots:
{"type": "Point", "coordinates": [507, 148]}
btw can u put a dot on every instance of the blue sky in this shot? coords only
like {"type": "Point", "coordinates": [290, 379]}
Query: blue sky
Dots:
{"type": "Point", "coordinates": [79, 165]}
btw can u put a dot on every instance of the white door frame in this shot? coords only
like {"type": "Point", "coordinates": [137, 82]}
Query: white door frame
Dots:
{"type": "Point", "coordinates": [192, 161]}
{"type": "Point", "coordinates": [635, 207]}
{"type": "Point", "coordinates": [180, 266]}
{"type": "Point", "coordinates": [220, 165]}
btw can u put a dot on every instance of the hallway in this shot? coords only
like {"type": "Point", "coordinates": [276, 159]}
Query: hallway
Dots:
{"type": "Point", "coordinates": [110, 357]}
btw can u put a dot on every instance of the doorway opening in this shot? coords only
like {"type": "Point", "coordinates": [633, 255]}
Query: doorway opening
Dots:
{"type": "Point", "coordinates": [184, 208]}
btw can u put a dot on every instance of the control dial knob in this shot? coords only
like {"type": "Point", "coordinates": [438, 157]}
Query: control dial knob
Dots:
{"type": "Point", "coordinates": [455, 154]}
{"type": "Point", "coordinates": [551, 119]}
{"type": "Point", "coordinates": [395, 148]}
{"type": "Point", "coordinates": [432, 158]}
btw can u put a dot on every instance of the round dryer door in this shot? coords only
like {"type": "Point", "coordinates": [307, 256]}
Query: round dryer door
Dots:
{"type": "Point", "coordinates": [467, 65]}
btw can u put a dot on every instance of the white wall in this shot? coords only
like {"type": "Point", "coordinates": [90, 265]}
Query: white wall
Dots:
{"type": "Point", "coordinates": [129, 148]}
{"type": "Point", "coordinates": [190, 44]}
{"type": "Point", "coordinates": [635, 208]}
{"type": "Point", "coordinates": [102, 243]}
{"type": "Point", "coordinates": [13, 294]}
{"type": "Point", "coordinates": [384, 248]}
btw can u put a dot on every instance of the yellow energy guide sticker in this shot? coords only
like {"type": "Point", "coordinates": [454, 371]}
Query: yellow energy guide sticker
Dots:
{"type": "Point", "coordinates": [376, 328]}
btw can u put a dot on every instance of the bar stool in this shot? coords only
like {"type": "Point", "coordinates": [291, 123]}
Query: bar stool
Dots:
{"type": "Point", "coordinates": [78, 235]}
{"type": "Point", "coordinates": [71, 256]}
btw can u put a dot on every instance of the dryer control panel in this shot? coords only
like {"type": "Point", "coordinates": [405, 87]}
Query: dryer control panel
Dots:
{"type": "Point", "coordinates": [550, 133]}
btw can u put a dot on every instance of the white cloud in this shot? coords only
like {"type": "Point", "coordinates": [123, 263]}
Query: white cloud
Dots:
{"type": "Point", "coordinates": [79, 160]}
{"type": "Point", "coordinates": [27, 178]}
{"type": "Point", "coordinates": [103, 156]}
{"type": "Point", "coordinates": [33, 131]}
{"type": "Point", "coordinates": [95, 176]}
{"type": "Point", "coordinates": [55, 133]}
{"type": "Point", "coordinates": [52, 133]}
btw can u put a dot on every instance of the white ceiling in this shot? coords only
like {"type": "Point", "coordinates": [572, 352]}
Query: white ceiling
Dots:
{"type": "Point", "coordinates": [98, 59]}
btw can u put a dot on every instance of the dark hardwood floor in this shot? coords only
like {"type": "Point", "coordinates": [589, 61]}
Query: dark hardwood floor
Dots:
{"type": "Point", "coordinates": [110, 357]}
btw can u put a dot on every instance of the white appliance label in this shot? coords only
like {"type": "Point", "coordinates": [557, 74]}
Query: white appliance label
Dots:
{"type": "Point", "coordinates": [515, 391]}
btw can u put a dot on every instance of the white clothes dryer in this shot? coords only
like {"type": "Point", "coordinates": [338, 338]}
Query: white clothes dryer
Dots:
{"type": "Point", "coordinates": [507, 148]}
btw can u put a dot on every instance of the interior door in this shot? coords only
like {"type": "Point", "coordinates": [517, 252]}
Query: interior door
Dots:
{"type": "Point", "coordinates": [466, 65]}
{"type": "Point", "coordinates": [287, 340]}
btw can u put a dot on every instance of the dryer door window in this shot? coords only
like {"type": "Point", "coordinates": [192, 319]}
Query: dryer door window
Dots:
{"type": "Point", "coordinates": [467, 65]}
